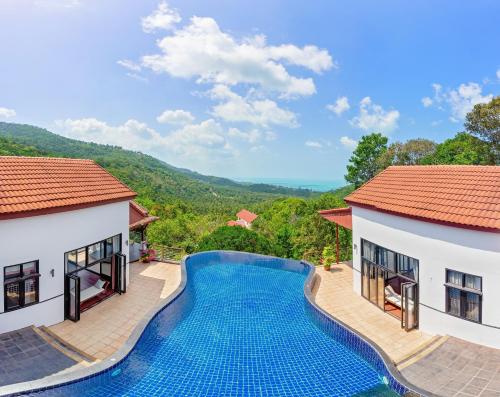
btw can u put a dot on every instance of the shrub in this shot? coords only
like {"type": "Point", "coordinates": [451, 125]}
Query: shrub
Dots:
{"type": "Point", "coordinates": [236, 238]}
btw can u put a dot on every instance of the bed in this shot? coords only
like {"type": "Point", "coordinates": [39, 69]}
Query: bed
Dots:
{"type": "Point", "coordinates": [92, 290]}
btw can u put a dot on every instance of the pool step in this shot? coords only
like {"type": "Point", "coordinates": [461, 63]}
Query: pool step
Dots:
{"type": "Point", "coordinates": [63, 346]}
{"type": "Point", "coordinates": [421, 351]}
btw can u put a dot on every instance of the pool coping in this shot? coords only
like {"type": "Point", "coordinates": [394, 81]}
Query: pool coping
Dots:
{"type": "Point", "coordinates": [115, 359]}
{"type": "Point", "coordinates": [389, 364]}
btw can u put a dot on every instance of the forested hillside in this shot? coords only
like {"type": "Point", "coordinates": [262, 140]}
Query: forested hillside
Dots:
{"type": "Point", "coordinates": [156, 181]}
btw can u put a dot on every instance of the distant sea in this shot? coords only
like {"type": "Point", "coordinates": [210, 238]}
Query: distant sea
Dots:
{"type": "Point", "coordinates": [313, 184]}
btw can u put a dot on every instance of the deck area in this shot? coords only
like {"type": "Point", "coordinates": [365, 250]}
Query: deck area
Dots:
{"type": "Point", "coordinates": [103, 329]}
{"type": "Point", "coordinates": [333, 292]}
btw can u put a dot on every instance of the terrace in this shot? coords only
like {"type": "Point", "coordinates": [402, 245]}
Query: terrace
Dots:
{"type": "Point", "coordinates": [104, 329]}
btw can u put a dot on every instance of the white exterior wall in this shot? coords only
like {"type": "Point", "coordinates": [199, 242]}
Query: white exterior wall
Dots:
{"type": "Point", "coordinates": [438, 247]}
{"type": "Point", "coordinates": [46, 238]}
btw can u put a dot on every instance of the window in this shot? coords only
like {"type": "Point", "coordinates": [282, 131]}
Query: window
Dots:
{"type": "Point", "coordinates": [20, 285]}
{"type": "Point", "coordinates": [92, 254]}
{"type": "Point", "coordinates": [463, 295]}
{"type": "Point", "coordinates": [396, 263]}
{"type": "Point", "coordinates": [96, 252]}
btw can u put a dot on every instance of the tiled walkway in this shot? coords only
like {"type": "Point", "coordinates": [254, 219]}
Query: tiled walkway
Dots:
{"type": "Point", "coordinates": [458, 368]}
{"type": "Point", "coordinates": [335, 295]}
{"type": "Point", "coordinates": [25, 356]}
{"type": "Point", "coordinates": [103, 329]}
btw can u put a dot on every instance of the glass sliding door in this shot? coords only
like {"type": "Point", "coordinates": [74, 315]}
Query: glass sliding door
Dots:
{"type": "Point", "coordinates": [409, 306]}
{"type": "Point", "coordinates": [72, 297]}
{"type": "Point", "coordinates": [381, 276]}
{"type": "Point", "coordinates": [373, 284]}
{"type": "Point", "coordinates": [364, 279]}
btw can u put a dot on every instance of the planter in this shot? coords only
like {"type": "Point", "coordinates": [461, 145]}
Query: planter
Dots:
{"type": "Point", "coordinates": [327, 267]}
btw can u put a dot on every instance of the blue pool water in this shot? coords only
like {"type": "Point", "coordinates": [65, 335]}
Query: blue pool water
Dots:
{"type": "Point", "coordinates": [242, 327]}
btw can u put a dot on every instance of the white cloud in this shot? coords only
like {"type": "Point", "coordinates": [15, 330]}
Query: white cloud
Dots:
{"type": "Point", "coordinates": [206, 141]}
{"type": "Point", "coordinates": [341, 105]}
{"type": "Point", "coordinates": [314, 144]}
{"type": "Point", "coordinates": [348, 142]}
{"type": "Point", "coordinates": [463, 99]}
{"type": "Point", "coordinates": [460, 101]}
{"type": "Point", "coordinates": [175, 117]}
{"type": "Point", "coordinates": [252, 136]}
{"type": "Point", "coordinates": [7, 113]}
{"type": "Point", "coordinates": [426, 101]}
{"type": "Point", "coordinates": [138, 77]}
{"type": "Point", "coordinates": [498, 74]}
{"type": "Point", "coordinates": [373, 117]}
{"type": "Point", "coordinates": [162, 18]}
{"type": "Point", "coordinates": [201, 50]}
{"type": "Point", "coordinates": [130, 65]}
{"type": "Point", "coordinates": [263, 112]}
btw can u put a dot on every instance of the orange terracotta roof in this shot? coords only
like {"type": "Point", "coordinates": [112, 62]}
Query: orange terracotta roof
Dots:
{"type": "Point", "coordinates": [340, 216]}
{"type": "Point", "coordinates": [246, 216]}
{"type": "Point", "coordinates": [456, 195]}
{"type": "Point", "coordinates": [235, 223]}
{"type": "Point", "coordinates": [40, 185]}
{"type": "Point", "coordinates": [139, 217]}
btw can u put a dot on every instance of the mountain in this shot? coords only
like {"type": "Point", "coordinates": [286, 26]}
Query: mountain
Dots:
{"type": "Point", "coordinates": [154, 180]}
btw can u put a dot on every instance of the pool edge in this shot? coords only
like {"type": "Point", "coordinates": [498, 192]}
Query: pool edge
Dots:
{"type": "Point", "coordinates": [388, 363]}
{"type": "Point", "coordinates": [55, 381]}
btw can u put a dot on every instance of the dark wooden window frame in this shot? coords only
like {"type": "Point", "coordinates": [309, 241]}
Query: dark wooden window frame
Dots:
{"type": "Point", "coordinates": [397, 254]}
{"type": "Point", "coordinates": [86, 247]}
{"type": "Point", "coordinates": [21, 282]}
{"type": "Point", "coordinates": [463, 296]}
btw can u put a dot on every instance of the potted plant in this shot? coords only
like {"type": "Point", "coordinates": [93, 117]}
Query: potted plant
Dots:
{"type": "Point", "coordinates": [147, 255]}
{"type": "Point", "coordinates": [327, 258]}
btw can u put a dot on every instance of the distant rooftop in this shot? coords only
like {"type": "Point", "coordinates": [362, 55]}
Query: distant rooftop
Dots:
{"type": "Point", "coordinates": [456, 195]}
{"type": "Point", "coordinates": [40, 185]}
{"type": "Point", "coordinates": [246, 216]}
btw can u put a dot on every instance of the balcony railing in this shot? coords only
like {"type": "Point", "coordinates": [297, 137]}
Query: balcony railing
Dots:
{"type": "Point", "coordinates": [167, 254]}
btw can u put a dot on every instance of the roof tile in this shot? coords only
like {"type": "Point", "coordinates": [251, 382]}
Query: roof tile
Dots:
{"type": "Point", "coordinates": [459, 195]}
{"type": "Point", "coordinates": [32, 184]}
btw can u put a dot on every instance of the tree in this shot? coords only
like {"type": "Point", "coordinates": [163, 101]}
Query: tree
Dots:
{"type": "Point", "coordinates": [462, 149]}
{"type": "Point", "coordinates": [484, 122]}
{"type": "Point", "coordinates": [235, 238]}
{"type": "Point", "coordinates": [409, 153]}
{"type": "Point", "coordinates": [363, 162]}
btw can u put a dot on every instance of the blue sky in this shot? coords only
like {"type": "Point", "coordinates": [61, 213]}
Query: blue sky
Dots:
{"type": "Point", "coordinates": [247, 88]}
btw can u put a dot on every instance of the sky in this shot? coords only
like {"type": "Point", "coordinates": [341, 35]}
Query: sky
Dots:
{"type": "Point", "coordinates": [243, 89]}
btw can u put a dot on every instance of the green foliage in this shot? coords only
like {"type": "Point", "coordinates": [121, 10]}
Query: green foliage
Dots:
{"type": "Point", "coordinates": [296, 230]}
{"type": "Point", "coordinates": [408, 153]}
{"type": "Point", "coordinates": [484, 121]}
{"type": "Point", "coordinates": [154, 180]}
{"type": "Point", "coordinates": [9, 147]}
{"type": "Point", "coordinates": [363, 164]}
{"type": "Point", "coordinates": [461, 149]}
{"type": "Point", "coordinates": [328, 256]}
{"type": "Point", "coordinates": [236, 238]}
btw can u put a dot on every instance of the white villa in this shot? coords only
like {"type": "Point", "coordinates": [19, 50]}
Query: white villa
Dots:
{"type": "Point", "coordinates": [426, 247]}
{"type": "Point", "coordinates": [64, 227]}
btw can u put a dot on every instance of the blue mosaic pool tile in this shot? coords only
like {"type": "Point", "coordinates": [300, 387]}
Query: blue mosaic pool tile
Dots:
{"type": "Point", "coordinates": [242, 328]}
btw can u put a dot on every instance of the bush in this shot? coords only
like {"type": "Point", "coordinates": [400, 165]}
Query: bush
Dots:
{"type": "Point", "coordinates": [236, 238]}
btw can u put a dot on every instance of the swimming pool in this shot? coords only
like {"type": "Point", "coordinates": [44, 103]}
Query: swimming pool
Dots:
{"type": "Point", "coordinates": [242, 326]}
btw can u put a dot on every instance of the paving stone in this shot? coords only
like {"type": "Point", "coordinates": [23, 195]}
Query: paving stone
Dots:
{"type": "Point", "coordinates": [24, 356]}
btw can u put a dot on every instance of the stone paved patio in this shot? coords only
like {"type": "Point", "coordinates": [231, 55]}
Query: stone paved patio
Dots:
{"type": "Point", "coordinates": [25, 356]}
{"type": "Point", "coordinates": [103, 329]}
{"type": "Point", "coordinates": [333, 292]}
{"type": "Point", "coordinates": [458, 368]}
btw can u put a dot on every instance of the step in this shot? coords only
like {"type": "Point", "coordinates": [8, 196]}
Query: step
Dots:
{"type": "Point", "coordinates": [421, 351]}
{"type": "Point", "coordinates": [64, 346]}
